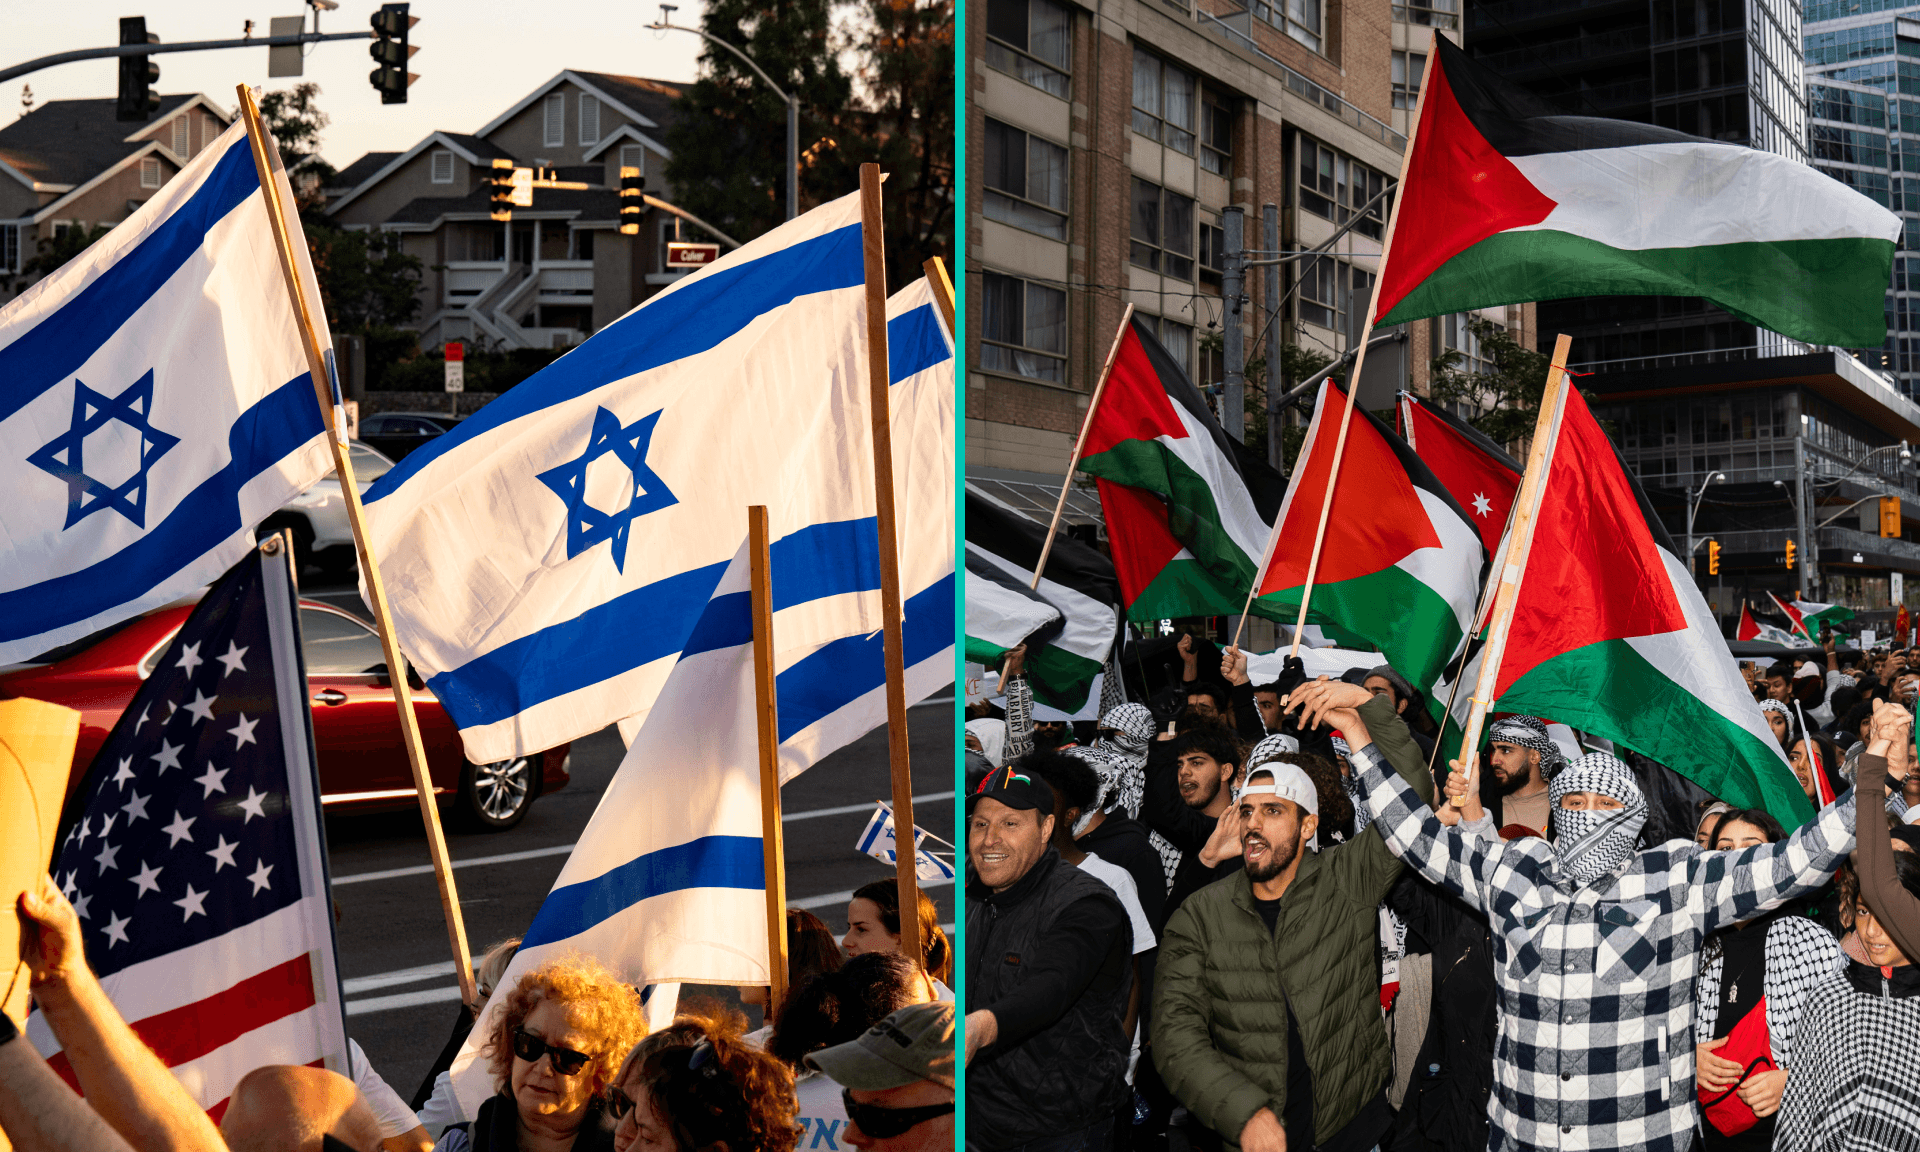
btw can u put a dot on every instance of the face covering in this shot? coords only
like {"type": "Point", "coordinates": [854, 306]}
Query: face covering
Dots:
{"type": "Point", "coordinates": [1590, 844]}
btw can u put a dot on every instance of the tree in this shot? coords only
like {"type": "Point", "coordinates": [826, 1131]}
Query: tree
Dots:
{"type": "Point", "coordinates": [294, 118]}
{"type": "Point", "coordinates": [367, 279]}
{"type": "Point", "coordinates": [1509, 394]}
{"type": "Point", "coordinates": [729, 145]}
{"type": "Point", "coordinates": [51, 254]}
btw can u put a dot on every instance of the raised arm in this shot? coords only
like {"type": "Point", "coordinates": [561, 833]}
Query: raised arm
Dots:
{"type": "Point", "coordinates": [1736, 886]}
{"type": "Point", "coordinates": [1365, 867]}
{"type": "Point", "coordinates": [1897, 909]}
{"type": "Point", "coordinates": [1448, 856]}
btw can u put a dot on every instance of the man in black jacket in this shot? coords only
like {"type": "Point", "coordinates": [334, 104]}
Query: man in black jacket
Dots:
{"type": "Point", "coordinates": [1189, 784]}
{"type": "Point", "coordinates": [1049, 962]}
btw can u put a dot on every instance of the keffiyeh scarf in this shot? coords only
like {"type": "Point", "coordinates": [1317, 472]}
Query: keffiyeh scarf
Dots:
{"type": "Point", "coordinates": [1591, 843]}
{"type": "Point", "coordinates": [1531, 732]}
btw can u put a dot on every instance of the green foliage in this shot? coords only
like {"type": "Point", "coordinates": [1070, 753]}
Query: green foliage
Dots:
{"type": "Point", "coordinates": [54, 252]}
{"type": "Point", "coordinates": [294, 118]}
{"type": "Point", "coordinates": [367, 281]}
{"type": "Point", "coordinates": [1512, 390]}
{"type": "Point", "coordinates": [395, 364]}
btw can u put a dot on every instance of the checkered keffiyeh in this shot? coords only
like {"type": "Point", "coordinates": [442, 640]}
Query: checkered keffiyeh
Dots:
{"type": "Point", "coordinates": [1799, 957]}
{"type": "Point", "coordinates": [1530, 732]}
{"type": "Point", "coordinates": [1851, 1085]}
{"type": "Point", "coordinates": [1595, 1045]}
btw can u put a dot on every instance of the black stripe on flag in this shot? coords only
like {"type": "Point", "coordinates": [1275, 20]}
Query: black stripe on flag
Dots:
{"type": "Point", "coordinates": [995, 528]}
{"type": "Point", "coordinates": [978, 569]}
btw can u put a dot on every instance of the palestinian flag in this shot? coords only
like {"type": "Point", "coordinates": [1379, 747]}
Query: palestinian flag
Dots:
{"type": "Point", "coordinates": [1479, 474]}
{"type": "Point", "coordinates": [1188, 510]}
{"type": "Point", "coordinates": [1611, 636]}
{"type": "Point", "coordinates": [1809, 616]}
{"type": "Point", "coordinates": [1402, 563]}
{"type": "Point", "coordinates": [1751, 629]}
{"type": "Point", "coordinates": [1504, 202]}
{"type": "Point", "coordinates": [1064, 656]}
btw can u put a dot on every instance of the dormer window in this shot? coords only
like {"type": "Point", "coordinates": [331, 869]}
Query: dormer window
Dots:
{"type": "Point", "coordinates": [589, 119]}
{"type": "Point", "coordinates": [150, 172]}
{"type": "Point", "coordinates": [182, 141]}
{"type": "Point", "coordinates": [555, 126]}
{"type": "Point", "coordinates": [442, 167]}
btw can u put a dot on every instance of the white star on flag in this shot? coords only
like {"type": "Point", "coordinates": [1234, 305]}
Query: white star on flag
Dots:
{"type": "Point", "coordinates": [147, 879]}
{"type": "Point", "coordinates": [193, 902]}
{"type": "Point", "coordinates": [116, 930]}
{"type": "Point", "coordinates": [125, 773]}
{"type": "Point", "coordinates": [168, 756]}
{"type": "Point", "coordinates": [80, 905]}
{"type": "Point", "coordinates": [1481, 505]}
{"type": "Point", "coordinates": [202, 706]}
{"type": "Point", "coordinates": [106, 857]}
{"type": "Point", "coordinates": [213, 780]}
{"type": "Point", "coordinates": [243, 732]}
{"type": "Point", "coordinates": [180, 829]}
{"type": "Point", "coordinates": [222, 855]}
{"type": "Point", "coordinates": [136, 808]}
{"type": "Point", "coordinates": [254, 805]}
{"type": "Point", "coordinates": [261, 870]}
{"type": "Point", "coordinates": [232, 659]}
{"type": "Point", "coordinates": [189, 658]}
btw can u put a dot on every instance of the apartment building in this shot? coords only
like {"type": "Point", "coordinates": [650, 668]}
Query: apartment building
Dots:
{"type": "Point", "coordinates": [1107, 138]}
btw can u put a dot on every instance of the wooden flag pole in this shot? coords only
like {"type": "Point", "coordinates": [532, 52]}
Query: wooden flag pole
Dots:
{"type": "Point", "coordinates": [1353, 393]}
{"type": "Point", "coordinates": [266, 161]}
{"type": "Point", "coordinates": [1526, 505]}
{"type": "Point", "coordinates": [766, 715]}
{"type": "Point", "coordinates": [942, 285]}
{"type": "Point", "coordinates": [879, 378]}
{"type": "Point", "coordinates": [1079, 443]}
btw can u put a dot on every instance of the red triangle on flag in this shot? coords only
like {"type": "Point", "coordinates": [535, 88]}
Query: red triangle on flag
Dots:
{"type": "Point", "coordinates": [1457, 191]}
{"type": "Point", "coordinates": [1748, 630]}
{"type": "Point", "coordinates": [1134, 405]}
{"type": "Point", "coordinates": [1141, 542]}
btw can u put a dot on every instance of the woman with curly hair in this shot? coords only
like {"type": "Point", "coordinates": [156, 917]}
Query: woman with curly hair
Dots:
{"type": "Point", "coordinates": [873, 925]}
{"type": "Point", "coordinates": [717, 1094]}
{"type": "Point", "coordinates": [565, 1027]}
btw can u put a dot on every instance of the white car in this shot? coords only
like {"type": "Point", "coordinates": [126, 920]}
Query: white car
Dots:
{"type": "Point", "coordinates": [318, 517]}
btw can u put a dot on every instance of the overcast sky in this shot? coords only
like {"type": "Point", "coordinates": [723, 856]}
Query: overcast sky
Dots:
{"type": "Point", "coordinates": [476, 58]}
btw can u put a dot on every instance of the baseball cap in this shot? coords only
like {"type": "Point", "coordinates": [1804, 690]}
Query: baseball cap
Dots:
{"type": "Point", "coordinates": [915, 1043]}
{"type": "Point", "coordinates": [1286, 781]}
{"type": "Point", "coordinates": [1015, 789]}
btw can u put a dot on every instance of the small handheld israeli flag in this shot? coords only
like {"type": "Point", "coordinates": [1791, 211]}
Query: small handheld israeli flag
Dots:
{"type": "Point", "coordinates": [878, 841]}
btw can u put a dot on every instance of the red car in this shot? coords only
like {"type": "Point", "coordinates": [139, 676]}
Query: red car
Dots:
{"type": "Point", "coordinates": [363, 763]}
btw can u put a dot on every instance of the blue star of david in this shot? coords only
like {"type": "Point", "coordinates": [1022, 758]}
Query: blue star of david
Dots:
{"type": "Point", "coordinates": [65, 456]}
{"type": "Point", "coordinates": [587, 525]}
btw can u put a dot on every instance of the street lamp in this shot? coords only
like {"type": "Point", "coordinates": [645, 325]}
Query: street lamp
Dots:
{"type": "Point", "coordinates": [1693, 505]}
{"type": "Point", "coordinates": [793, 104]}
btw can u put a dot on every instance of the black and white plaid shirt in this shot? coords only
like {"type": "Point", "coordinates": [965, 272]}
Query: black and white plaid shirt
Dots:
{"type": "Point", "coordinates": [1595, 1048]}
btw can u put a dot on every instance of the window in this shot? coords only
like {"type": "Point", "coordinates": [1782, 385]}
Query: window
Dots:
{"type": "Point", "coordinates": [1326, 289]}
{"type": "Point", "coordinates": [1024, 329]}
{"type": "Point", "coordinates": [1213, 242]}
{"type": "Point", "coordinates": [556, 120]}
{"type": "Point", "coordinates": [633, 156]}
{"type": "Point", "coordinates": [150, 172]}
{"type": "Point", "coordinates": [1431, 13]}
{"type": "Point", "coordinates": [1030, 40]}
{"type": "Point", "coordinates": [335, 644]}
{"type": "Point", "coordinates": [1299, 19]}
{"type": "Point", "coordinates": [1216, 138]}
{"type": "Point", "coordinates": [589, 119]}
{"type": "Point", "coordinates": [9, 247]}
{"type": "Point", "coordinates": [1176, 338]}
{"type": "Point", "coordinates": [1162, 102]}
{"type": "Point", "coordinates": [182, 143]}
{"type": "Point", "coordinates": [582, 243]}
{"type": "Point", "coordinates": [1408, 67]}
{"type": "Point", "coordinates": [442, 161]}
{"type": "Point", "coordinates": [1026, 181]}
{"type": "Point", "coordinates": [1334, 188]}
{"type": "Point", "coordinates": [1162, 230]}
{"type": "Point", "coordinates": [60, 228]}
{"type": "Point", "coordinates": [1455, 336]}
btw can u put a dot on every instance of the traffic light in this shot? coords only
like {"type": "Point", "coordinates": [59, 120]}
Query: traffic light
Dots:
{"type": "Point", "coordinates": [501, 194]}
{"type": "Point", "coordinates": [1890, 517]}
{"type": "Point", "coordinates": [633, 187]}
{"type": "Point", "coordinates": [1790, 551]}
{"type": "Point", "coordinates": [391, 52]}
{"type": "Point", "coordinates": [138, 74]}
{"type": "Point", "coordinates": [1713, 557]}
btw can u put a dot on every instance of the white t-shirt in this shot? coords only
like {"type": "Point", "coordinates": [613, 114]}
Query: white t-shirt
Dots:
{"type": "Point", "coordinates": [823, 1115]}
{"type": "Point", "coordinates": [392, 1112]}
{"type": "Point", "coordinates": [1121, 881]}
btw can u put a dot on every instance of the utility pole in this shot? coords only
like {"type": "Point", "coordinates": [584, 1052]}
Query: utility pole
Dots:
{"type": "Point", "coordinates": [1233, 403]}
{"type": "Point", "coordinates": [1276, 378]}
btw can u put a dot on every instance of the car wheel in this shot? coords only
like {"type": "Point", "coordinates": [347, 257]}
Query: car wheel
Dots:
{"type": "Point", "coordinates": [495, 797]}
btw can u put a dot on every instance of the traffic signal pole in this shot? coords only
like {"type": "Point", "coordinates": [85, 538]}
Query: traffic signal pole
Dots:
{"type": "Point", "coordinates": [57, 58]}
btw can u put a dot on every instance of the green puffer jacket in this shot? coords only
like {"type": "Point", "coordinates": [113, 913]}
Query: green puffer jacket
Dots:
{"type": "Point", "coordinates": [1223, 985]}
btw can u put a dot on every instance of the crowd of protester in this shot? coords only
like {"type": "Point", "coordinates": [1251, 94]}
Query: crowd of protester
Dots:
{"type": "Point", "coordinates": [1263, 916]}
{"type": "Point", "coordinates": [859, 1053]}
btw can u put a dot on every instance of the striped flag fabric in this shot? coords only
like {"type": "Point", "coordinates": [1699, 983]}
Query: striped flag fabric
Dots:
{"type": "Point", "coordinates": [1611, 636]}
{"type": "Point", "coordinates": [1188, 511]}
{"type": "Point", "coordinates": [1809, 616]}
{"type": "Point", "coordinates": [1752, 629]}
{"type": "Point", "coordinates": [1064, 665]}
{"type": "Point", "coordinates": [194, 857]}
{"type": "Point", "coordinates": [549, 559]}
{"type": "Point", "coordinates": [1402, 564]}
{"type": "Point", "coordinates": [156, 406]}
{"type": "Point", "coordinates": [1505, 201]}
{"type": "Point", "coordinates": [1478, 473]}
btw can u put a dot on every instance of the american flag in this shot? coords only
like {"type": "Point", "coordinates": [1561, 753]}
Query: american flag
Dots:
{"type": "Point", "coordinates": [193, 853]}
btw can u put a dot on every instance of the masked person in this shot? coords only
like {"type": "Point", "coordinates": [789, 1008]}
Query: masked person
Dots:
{"type": "Point", "coordinates": [1596, 944]}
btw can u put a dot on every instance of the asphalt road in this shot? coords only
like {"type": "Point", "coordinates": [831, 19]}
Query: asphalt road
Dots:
{"type": "Point", "coordinates": [401, 998]}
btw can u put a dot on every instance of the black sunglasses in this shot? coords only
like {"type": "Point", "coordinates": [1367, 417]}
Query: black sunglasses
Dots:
{"type": "Point", "coordinates": [530, 1048]}
{"type": "Point", "coordinates": [881, 1123]}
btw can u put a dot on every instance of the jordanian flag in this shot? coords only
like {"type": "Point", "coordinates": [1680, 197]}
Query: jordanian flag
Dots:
{"type": "Point", "coordinates": [1611, 636]}
{"type": "Point", "coordinates": [1064, 657]}
{"type": "Point", "coordinates": [1482, 478]}
{"type": "Point", "coordinates": [1188, 511]}
{"type": "Point", "coordinates": [1752, 629]}
{"type": "Point", "coordinates": [1402, 563]}
{"type": "Point", "coordinates": [1808, 616]}
{"type": "Point", "coordinates": [1505, 202]}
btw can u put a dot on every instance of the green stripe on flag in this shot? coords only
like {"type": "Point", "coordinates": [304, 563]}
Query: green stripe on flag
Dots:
{"type": "Point", "coordinates": [1820, 291]}
{"type": "Point", "coordinates": [1659, 719]}
{"type": "Point", "coordinates": [983, 651]}
{"type": "Point", "coordinates": [1411, 624]}
{"type": "Point", "coordinates": [1185, 588]}
{"type": "Point", "coordinates": [1061, 679]}
{"type": "Point", "coordinates": [1192, 516]}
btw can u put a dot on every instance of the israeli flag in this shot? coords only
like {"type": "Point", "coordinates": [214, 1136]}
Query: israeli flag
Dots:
{"type": "Point", "coordinates": [155, 406]}
{"type": "Point", "coordinates": [549, 560]}
{"type": "Point", "coordinates": [667, 883]}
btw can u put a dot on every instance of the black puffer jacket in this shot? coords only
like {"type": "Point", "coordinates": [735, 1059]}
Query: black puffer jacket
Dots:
{"type": "Point", "coordinates": [1445, 1109]}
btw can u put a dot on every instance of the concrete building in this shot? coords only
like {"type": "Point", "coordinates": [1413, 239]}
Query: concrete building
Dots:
{"type": "Point", "coordinates": [70, 164]}
{"type": "Point", "coordinates": [1725, 69]}
{"type": "Point", "coordinates": [1860, 62]}
{"type": "Point", "coordinates": [1105, 142]}
{"type": "Point", "coordinates": [559, 270]}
